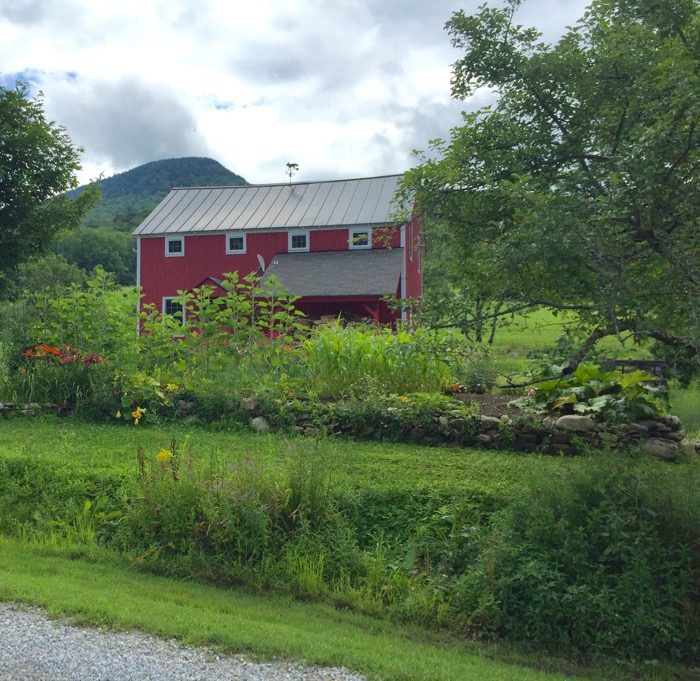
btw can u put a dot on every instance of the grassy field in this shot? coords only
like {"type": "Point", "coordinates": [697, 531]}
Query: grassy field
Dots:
{"type": "Point", "coordinates": [111, 449]}
{"type": "Point", "coordinates": [89, 582]}
{"type": "Point", "coordinates": [110, 595]}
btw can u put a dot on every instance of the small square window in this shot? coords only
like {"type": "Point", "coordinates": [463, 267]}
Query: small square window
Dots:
{"type": "Point", "coordinates": [173, 308]}
{"type": "Point", "coordinates": [360, 238]}
{"type": "Point", "coordinates": [298, 241]}
{"type": "Point", "coordinates": [175, 246]}
{"type": "Point", "coordinates": [235, 243]}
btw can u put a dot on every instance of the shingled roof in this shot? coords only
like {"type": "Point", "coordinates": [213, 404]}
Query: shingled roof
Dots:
{"type": "Point", "coordinates": [344, 203]}
{"type": "Point", "coordinates": [339, 273]}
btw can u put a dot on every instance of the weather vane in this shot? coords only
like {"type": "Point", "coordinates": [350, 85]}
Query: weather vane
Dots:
{"type": "Point", "coordinates": [291, 169]}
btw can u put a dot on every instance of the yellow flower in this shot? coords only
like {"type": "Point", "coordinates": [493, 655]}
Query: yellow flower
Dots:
{"type": "Point", "coordinates": [403, 398]}
{"type": "Point", "coordinates": [164, 455]}
{"type": "Point", "coordinates": [137, 415]}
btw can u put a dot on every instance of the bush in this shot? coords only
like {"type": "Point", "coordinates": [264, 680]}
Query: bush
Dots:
{"type": "Point", "coordinates": [606, 560]}
{"type": "Point", "coordinates": [611, 395]}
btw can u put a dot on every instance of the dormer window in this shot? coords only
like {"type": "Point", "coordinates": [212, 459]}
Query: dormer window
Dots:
{"type": "Point", "coordinates": [359, 238]}
{"type": "Point", "coordinates": [298, 241]}
{"type": "Point", "coordinates": [235, 243]}
{"type": "Point", "coordinates": [174, 246]}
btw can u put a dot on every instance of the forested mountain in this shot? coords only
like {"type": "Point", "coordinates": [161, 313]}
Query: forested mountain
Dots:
{"type": "Point", "coordinates": [127, 198]}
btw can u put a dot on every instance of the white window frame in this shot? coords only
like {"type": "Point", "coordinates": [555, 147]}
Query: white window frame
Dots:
{"type": "Point", "coordinates": [174, 239]}
{"type": "Point", "coordinates": [352, 245]}
{"type": "Point", "coordinates": [167, 299]}
{"type": "Point", "coordinates": [238, 233]}
{"type": "Point", "coordinates": [298, 232]}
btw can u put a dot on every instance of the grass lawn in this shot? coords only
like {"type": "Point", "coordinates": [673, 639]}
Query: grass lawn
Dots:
{"type": "Point", "coordinates": [111, 449]}
{"type": "Point", "coordinates": [527, 335]}
{"type": "Point", "coordinates": [97, 587]}
{"type": "Point", "coordinates": [111, 595]}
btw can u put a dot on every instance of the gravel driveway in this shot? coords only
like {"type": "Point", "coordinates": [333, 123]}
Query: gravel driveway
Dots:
{"type": "Point", "coordinates": [36, 648]}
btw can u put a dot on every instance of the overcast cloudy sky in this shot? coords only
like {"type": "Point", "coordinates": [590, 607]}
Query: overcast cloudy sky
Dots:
{"type": "Point", "coordinates": [344, 88]}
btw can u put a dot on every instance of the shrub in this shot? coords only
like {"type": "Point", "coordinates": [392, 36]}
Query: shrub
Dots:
{"type": "Point", "coordinates": [590, 390]}
{"type": "Point", "coordinates": [606, 560]}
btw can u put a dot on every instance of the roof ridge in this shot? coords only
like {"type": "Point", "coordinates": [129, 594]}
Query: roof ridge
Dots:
{"type": "Point", "coordinates": [285, 184]}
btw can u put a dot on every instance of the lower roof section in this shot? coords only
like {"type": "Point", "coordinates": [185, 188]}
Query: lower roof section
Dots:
{"type": "Point", "coordinates": [375, 272]}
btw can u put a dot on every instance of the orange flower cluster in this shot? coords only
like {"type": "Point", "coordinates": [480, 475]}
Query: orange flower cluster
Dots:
{"type": "Point", "coordinates": [65, 355]}
{"type": "Point", "coordinates": [41, 350]}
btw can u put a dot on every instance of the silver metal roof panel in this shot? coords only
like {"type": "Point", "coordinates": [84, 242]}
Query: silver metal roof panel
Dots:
{"type": "Point", "coordinates": [335, 203]}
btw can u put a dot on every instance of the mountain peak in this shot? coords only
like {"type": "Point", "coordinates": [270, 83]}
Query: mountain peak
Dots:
{"type": "Point", "coordinates": [129, 196]}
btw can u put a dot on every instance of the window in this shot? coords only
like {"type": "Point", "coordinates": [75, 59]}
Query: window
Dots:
{"type": "Point", "coordinates": [174, 246]}
{"type": "Point", "coordinates": [298, 241]}
{"type": "Point", "coordinates": [173, 308]}
{"type": "Point", "coordinates": [360, 238]}
{"type": "Point", "coordinates": [235, 243]}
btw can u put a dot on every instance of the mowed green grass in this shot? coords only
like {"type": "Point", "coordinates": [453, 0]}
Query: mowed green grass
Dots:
{"type": "Point", "coordinates": [268, 627]}
{"type": "Point", "coordinates": [538, 331]}
{"type": "Point", "coordinates": [110, 449]}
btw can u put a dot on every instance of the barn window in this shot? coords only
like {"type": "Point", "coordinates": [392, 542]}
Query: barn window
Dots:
{"type": "Point", "coordinates": [360, 238]}
{"type": "Point", "coordinates": [174, 246]}
{"type": "Point", "coordinates": [173, 308]}
{"type": "Point", "coordinates": [235, 243]}
{"type": "Point", "coordinates": [298, 241]}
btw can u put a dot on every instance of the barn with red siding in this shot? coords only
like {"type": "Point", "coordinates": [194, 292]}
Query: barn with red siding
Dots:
{"type": "Point", "coordinates": [336, 244]}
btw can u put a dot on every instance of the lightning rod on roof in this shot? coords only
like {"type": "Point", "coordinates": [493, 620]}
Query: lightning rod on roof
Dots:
{"type": "Point", "coordinates": [291, 169]}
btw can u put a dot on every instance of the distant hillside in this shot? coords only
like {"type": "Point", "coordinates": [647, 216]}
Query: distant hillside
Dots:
{"type": "Point", "coordinates": [127, 198]}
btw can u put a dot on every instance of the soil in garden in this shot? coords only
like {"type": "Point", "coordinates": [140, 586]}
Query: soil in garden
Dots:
{"type": "Point", "coordinates": [489, 404]}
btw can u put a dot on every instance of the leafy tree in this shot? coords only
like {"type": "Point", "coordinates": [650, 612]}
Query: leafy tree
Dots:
{"type": "Point", "coordinates": [579, 188]}
{"type": "Point", "coordinates": [37, 164]}
{"type": "Point", "coordinates": [89, 247]}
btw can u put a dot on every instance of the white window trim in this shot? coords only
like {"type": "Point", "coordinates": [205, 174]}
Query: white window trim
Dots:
{"type": "Point", "coordinates": [170, 239]}
{"type": "Point", "coordinates": [298, 232]}
{"type": "Point", "coordinates": [179, 299]}
{"type": "Point", "coordinates": [351, 240]}
{"type": "Point", "coordinates": [237, 233]}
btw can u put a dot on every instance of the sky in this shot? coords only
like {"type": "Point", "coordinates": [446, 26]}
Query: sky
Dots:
{"type": "Point", "coordinates": [343, 88]}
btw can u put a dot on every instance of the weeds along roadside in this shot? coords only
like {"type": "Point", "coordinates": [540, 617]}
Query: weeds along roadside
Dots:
{"type": "Point", "coordinates": [601, 559]}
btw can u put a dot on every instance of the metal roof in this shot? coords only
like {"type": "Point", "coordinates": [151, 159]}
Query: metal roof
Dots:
{"type": "Point", "coordinates": [338, 273]}
{"type": "Point", "coordinates": [343, 203]}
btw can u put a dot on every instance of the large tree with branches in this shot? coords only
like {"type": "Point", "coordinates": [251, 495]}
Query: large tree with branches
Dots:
{"type": "Point", "coordinates": [38, 163]}
{"type": "Point", "coordinates": [579, 188]}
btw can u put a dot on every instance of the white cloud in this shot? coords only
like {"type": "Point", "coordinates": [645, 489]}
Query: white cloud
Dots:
{"type": "Point", "coordinates": [342, 87]}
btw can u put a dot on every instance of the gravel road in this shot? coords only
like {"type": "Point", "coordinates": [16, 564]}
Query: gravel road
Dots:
{"type": "Point", "coordinates": [36, 648]}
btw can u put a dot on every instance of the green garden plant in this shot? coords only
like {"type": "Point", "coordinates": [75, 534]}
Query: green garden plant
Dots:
{"type": "Point", "coordinates": [610, 395]}
{"type": "Point", "coordinates": [352, 360]}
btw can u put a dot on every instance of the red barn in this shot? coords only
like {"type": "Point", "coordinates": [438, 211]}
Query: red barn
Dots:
{"type": "Point", "coordinates": [336, 244]}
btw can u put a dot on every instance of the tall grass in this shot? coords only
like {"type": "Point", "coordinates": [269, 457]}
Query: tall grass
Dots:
{"type": "Point", "coordinates": [352, 360]}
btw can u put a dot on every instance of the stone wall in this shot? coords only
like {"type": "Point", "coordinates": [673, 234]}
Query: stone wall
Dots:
{"type": "Point", "coordinates": [568, 435]}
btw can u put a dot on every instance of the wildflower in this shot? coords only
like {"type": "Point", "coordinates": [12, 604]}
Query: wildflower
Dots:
{"type": "Point", "coordinates": [530, 392]}
{"type": "Point", "coordinates": [137, 415]}
{"type": "Point", "coordinates": [118, 415]}
{"type": "Point", "coordinates": [164, 455]}
{"type": "Point", "coordinates": [403, 398]}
